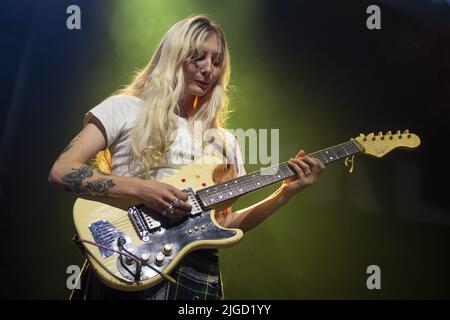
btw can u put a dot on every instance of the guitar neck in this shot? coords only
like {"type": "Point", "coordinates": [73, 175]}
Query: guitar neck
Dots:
{"type": "Point", "coordinates": [214, 195]}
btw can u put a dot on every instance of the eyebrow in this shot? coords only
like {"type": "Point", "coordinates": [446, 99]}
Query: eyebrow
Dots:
{"type": "Point", "coordinates": [214, 53]}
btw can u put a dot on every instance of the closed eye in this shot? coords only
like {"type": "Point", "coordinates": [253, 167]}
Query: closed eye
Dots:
{"type": "Point", "coordinates": [198, 58]}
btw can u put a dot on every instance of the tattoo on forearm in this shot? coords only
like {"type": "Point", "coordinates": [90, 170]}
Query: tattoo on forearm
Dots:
{"type": "Point", "coordinates": [99, 187]}
{"type": "Point", "coordinates": [74, 181]}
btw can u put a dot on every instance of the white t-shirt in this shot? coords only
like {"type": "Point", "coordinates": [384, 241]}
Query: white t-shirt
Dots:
{"type": "Point", "coordinates": [118, 115]}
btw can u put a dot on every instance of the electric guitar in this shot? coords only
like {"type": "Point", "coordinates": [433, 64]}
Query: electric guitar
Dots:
{"type": "Point", "coordinates": [132, 247]}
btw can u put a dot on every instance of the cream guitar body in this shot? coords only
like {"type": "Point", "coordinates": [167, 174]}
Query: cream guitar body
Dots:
{"type": "Point", "coordinates": [158, 243]}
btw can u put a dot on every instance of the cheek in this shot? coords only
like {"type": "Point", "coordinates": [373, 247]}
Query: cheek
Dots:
{"type": "Point", "coordinates": [216, 74]}
{"type": "Point", "coordinates": [189, 70]}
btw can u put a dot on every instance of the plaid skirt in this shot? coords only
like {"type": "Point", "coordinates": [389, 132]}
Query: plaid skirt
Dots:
{"type": "Point", "coordinates": [198, 278]}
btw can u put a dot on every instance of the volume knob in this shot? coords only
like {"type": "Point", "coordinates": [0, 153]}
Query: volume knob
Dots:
{"type": "Point", "coordinates": [145, 257]}
{"type": "Point", "coordinates": [159, 259]}
{"type": "Point", "coordinates": [167, 249]}
{"type": "Point", "coordinates": [129, 261]}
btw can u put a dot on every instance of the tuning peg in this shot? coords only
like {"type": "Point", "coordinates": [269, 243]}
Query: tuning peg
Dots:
{"type": "Point", "coordinates": [389, 133]}
{"type": "Point", "coordinates": [371, 136]}
{"type": "Point", "coordinates": [380, 134]}
{"type": "Point", "coordinates": [399, 134]}
{"type": "Point", "coordinates": [407, 133]}
{"type": "Point", "coordinates": [362, 136]}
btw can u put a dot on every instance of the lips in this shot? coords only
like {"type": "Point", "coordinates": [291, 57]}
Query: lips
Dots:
{"type": "Point", "coordinates": [202, 83]}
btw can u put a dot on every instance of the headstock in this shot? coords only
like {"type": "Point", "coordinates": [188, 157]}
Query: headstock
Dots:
{"type": "Point", "coordinates": [381, 144]}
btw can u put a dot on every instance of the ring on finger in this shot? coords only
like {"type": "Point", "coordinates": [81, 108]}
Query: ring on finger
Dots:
{"type": "Point", "coordinates": [171, 209]}
{"type": "Point", "coordinates": [176, 203]}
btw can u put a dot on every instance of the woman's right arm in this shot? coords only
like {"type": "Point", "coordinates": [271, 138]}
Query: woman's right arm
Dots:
{"type": "Point", "coordinates": [71, 172]}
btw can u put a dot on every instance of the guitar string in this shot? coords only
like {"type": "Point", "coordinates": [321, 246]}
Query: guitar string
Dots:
{"type": "Point", "coordinates": [125, 219]}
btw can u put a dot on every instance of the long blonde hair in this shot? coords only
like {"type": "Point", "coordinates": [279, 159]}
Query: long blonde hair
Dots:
{"type": "Point", "coordinates": [160, 84]}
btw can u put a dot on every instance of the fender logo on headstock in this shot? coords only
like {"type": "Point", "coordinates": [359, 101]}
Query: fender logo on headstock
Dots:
{"type": "Point", "coordinates": [381, 149]}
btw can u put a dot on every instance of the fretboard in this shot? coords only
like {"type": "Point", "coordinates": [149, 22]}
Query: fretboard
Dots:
{"type": "Point", "coordinates": [239, 186]}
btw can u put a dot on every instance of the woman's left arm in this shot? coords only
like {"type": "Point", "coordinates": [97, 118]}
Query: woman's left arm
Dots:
{"type": "Point", "coordinates": [307, 170]}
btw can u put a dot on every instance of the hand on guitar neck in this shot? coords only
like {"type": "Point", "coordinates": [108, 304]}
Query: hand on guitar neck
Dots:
{"type": "Point", "coordinates": [307, 170]}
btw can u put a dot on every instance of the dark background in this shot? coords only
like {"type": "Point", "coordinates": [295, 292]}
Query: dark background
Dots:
{"type": "Point", "coordinates": [311, 69]}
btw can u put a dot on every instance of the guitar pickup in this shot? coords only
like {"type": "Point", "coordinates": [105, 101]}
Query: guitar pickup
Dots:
{"type": "Point", "coordinates": [142, 221]}
{"type": "Point", "coordinates": [193, 201]}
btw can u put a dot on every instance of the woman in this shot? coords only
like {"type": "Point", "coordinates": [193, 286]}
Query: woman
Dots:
{"type": "Point", "coordinates": [144, 127]}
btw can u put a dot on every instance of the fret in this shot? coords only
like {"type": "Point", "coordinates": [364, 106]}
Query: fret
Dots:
{"type": "Point", "coordinates": [246, 187]}
{"type": "Point", "coordinates": [336, 157]}
{"type": "Point", "coordinates": [249, 184]}
{"type": "Point", "coordinates": [286, 170]}
{"type": "Point", "coordinates": [222, 194]}
{"type": "Point", "coordinates": [237, 187]}
{"type": "Point", "coordinates": [345, 150]}
{"type": "Point", "coordinates": [265, 179]}
{"type": "Point", "coordinates": [240, 189]}
{"type": "Point", "coordinates": [216, 192]}
{"type": "Point", "coordinates": [340, 152]}
{"type": "Point", "coordinates": [224, 191]}
{"type": "Point", "coordinates": [252, 183]}
{"type": "Point", "coordinates": [278, 175]}
{"type": "Point", "coordinates": [291, 172]}
{"type": "Point", "coordinates": [203, 199]}
{"type": "Point", "coordinates": [350, 148]}
{"type": "Point", "coordinates": [211, 200]}
{"type": "Point", "coordinates": [219, 198]}
{"type": "Point", "coordinates": [329, 156]}
{"type": "Point", "coordinates": [354, 147]}
{"type": "Point", "coordinates": [231, 190]}
{"type": "Point", "coordinates": [259, 182]}
{"type": "Point", "coordinates": [317, 155]}
{"type": "Point", "coordinates": [211, 195]}
{"type": "Point", "coordinates": [242, 185]}
{"type": "Point", "coordinates": [203, 196]}
{"type": "Point", "coordinates": [272, 178]}
{"type": "Point", "coordinates": [324, 158]}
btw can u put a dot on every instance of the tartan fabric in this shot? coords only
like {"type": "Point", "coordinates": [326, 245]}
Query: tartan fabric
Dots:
{"type": "Point", "coordinates": [198, 278]}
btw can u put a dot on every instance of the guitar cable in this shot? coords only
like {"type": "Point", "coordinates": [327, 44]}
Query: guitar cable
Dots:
{"type": "Point", "coordinates": [129, 255]}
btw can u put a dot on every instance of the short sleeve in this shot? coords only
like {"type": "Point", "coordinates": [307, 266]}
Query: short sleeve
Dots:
{"type": "Point", "coordinates": [109, 113]}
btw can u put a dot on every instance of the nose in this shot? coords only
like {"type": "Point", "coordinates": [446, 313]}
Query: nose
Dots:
{"type": "Point", "coordinates": [206, 67]}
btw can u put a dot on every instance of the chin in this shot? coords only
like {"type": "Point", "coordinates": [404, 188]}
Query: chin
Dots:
{"type": "Point", "coordinates": [198, 92]}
